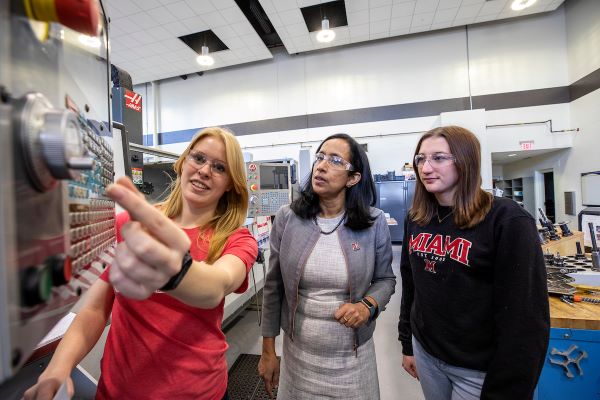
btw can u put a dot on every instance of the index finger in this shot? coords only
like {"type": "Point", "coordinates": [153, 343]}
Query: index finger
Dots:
{"type": "Point", "coordinates": [339, 313]}
{"type": "Point", "coordinates": [157, 224]}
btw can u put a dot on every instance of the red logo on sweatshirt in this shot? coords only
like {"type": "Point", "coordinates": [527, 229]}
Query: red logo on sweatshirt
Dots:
{"type": "Point", "coordinates": [430, 266]}
{"type": "Point", "coordinates": [441, 246]}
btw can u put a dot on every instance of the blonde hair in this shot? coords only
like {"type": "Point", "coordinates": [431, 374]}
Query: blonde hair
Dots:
{"type": "Point", "coordinates": [471, 203]}
{"type": "Point", "coordinates": [232, 208]}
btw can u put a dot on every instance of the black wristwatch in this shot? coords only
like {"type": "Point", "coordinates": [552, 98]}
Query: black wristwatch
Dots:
{"type": "Point", "coordinates": [370, 306]}
{"type": "Point", "coordinates": [176, 279]}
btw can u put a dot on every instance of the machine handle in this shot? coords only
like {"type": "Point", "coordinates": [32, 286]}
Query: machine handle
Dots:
{"type": "Point", "coordinates": [593, 236]}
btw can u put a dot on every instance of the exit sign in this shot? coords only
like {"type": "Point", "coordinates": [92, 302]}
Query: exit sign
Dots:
{"type": "Point", "coordinates": [528, 145]}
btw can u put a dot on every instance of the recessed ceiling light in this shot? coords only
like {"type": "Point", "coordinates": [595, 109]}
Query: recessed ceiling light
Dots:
{"type": "Point", "coordinates": [325, 35]}
{"type": "Point", "coordinates": [205, 60]}
{"type": "Point", "coordinates": [519, 5]}
{"type": "Point", "coordinates": [512, 155]}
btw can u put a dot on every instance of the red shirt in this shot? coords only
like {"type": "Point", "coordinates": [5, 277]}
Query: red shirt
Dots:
{"type": "Point", "coordinates": [161, 348]}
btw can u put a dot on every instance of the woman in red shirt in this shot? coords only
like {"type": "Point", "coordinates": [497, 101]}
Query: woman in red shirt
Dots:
{"type": "Point", "coordinates": [173, 267]}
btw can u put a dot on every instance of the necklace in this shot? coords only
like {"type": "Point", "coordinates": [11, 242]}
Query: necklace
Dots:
{"type": "Point", "coordinates": [334, 228]}
{"type": "Point", "coordinates": [440, 220]}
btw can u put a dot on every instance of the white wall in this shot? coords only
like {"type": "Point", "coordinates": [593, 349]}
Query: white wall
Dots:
{"type": "Point", "coordinates": [520, 54]}
{"type": "Point", "coordinates": [583, 37]}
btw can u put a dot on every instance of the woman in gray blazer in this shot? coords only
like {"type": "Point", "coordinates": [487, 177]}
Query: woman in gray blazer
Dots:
{"type": "Point", "coordinates": [330, 275]}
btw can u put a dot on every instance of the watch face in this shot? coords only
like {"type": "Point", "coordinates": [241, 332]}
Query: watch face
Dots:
{"type": "Point", "coordinates": [367, 303]}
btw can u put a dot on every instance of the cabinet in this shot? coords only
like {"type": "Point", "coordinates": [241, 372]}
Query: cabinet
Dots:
{"type": "Point", "coordinates": [579, 378]}
{"type": "Point", "coordinates": [520, 190]}
{"type": "Point", "coordinates": [395, 198]}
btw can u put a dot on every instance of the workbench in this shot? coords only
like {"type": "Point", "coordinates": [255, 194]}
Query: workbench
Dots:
{"type": "Point", "coordinates": [575, 332]}
{"type": "Point", "coordinates": [565, 245]}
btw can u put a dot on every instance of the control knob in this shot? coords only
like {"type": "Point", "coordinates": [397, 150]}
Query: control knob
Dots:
{"type": "Point", "coordinates": [51, 141]}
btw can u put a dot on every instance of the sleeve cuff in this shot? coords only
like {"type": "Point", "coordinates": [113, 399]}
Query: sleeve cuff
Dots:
{"type": "Point", "coordinates": [407, 348]}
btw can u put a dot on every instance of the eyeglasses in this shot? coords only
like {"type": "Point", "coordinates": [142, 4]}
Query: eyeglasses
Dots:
{"type": "Point", "coordinates": [436, 160]}
{"type": "Point", "coordinates": [199, 159]}
{"type": "Point", "coordinates": [335, 161]}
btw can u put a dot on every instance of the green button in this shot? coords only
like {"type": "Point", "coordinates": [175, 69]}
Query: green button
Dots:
{"type": "Point", "coordinates": [45, 285]}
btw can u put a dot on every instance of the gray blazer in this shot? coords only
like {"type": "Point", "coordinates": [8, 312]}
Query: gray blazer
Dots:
{"type": "Point", "coordinates": [368, 255]}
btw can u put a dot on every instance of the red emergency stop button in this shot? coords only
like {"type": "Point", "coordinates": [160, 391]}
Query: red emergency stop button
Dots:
{"type": "Point", "coordinates": [253, 187]}
{"type": "Point", "coordinates": [82, 16]}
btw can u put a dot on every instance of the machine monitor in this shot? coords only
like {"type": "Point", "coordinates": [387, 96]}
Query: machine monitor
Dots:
{"type": "Point", "coordinates": [271, 185]}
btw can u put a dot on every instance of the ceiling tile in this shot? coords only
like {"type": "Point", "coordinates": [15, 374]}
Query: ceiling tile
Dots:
{"type": "Point", "coordinates": [195, 24]}
{"type": "Point", "coordinates": [224, 32]}
{"type": "Point", "coordinates": [380, 26]}
{"type": "Point", "coordinates": [448, 4]}
{"type": "Point", "coordinates": [445, 15]}
{"type": "Point", "coordinates": [125, 8]}
{"type": "Point", "coordinates": [147, 4]}
{"type": "Point", "coordinates": [417, 29]}
{"type": "Point", "coordinates": [233, 14]}
{"type": "Point", "coordinates": [441, 25]}
{"type": "Point", "coordinates": [181, 10]}
{"type": "Point", "coordinates": [358, 39]}
{"type": "Point", "coordinates": [356, 5]}
{"type": "Point", "coordinates": [142, 20]}
{"type": "Point", "coordinates": [486, 18]}
{"type": "Point", "coordinates": [243, 29]}
{"type": "Point", "coordinates": [358, 18]}
{"type": "Point", "coordinates": [214, 19]}
{"type": "Point", "coordinates": [425, 6]}
{"type": "Point", "coordinates": [468, 11]}
{"type": "Point", "coordinates": [379, 3]}
{"type": "Point", "coordinates": [301, 41]}
{"type": "Point", "coordinates": [251, 40]}
{"type": "Point", "coordinates": [306, 3]}
{"type": "Point", "coordinates": [492, 7]}
{"type": "Point", "coordinates": [400, 23]}
{"type": "Point", "coordinates": [268, 6]}
{"type": "Point", "coordinates": [162, 15]}
{"type": "Point", "coordinates": [143, 37]}
{"type": "Point", "coordinates": [159, 33]}
{"type": "Point", "coordinates": [422, 19]}
{"type": "Point", "coordinates": [380, 13]}
{"type": "Point", "coordinates": [381, 35]}
{"type": "Point", "coordinates": [223, 4]}
{"type": "Point", "coordinates": [284, 5]}
{"type": "Point", "coordinates": [401, 31]}
{"type": "Point", "coordinates": [177, 29]}
{"type": "Point", "coordinates": [126, 26]}
{"type": "Point", "coordinates": [291, 17]}
{"type": "Point", "coordinates": [403, 9]}
{"type": "Point", "coordinates": [200, 6]}
{"type": "Point", "coordinates": [234, 43]}
{"type": "Point", "coordinates": [297, 29]}
{"type": "Point", "coordinates": [359, 30]}
{"type": "Point", "coordinates": [463, 21]}
{"type": "Point", "coordinates": [115, 31]}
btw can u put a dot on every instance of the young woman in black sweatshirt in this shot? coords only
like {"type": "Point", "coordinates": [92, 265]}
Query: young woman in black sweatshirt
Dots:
{"type": "Point", "coordinates": [474, 319]}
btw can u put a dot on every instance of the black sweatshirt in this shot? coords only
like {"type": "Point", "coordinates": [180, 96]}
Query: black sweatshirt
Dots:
{"type": "Point", "coordinates": [477, 298]}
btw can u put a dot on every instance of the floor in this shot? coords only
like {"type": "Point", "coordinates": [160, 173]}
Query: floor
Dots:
{"type": "Point", "coordinates": [244, 337]}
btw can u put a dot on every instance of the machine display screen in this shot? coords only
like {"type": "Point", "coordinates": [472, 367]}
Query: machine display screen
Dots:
{"type": "Point", "coordinates": [273, 177]}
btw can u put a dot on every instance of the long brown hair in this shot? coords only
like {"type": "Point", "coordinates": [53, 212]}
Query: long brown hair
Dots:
{"type": "Point", "coordinates": [233, 205]}
{"type": "Point", "coordinates": [471, 203]}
